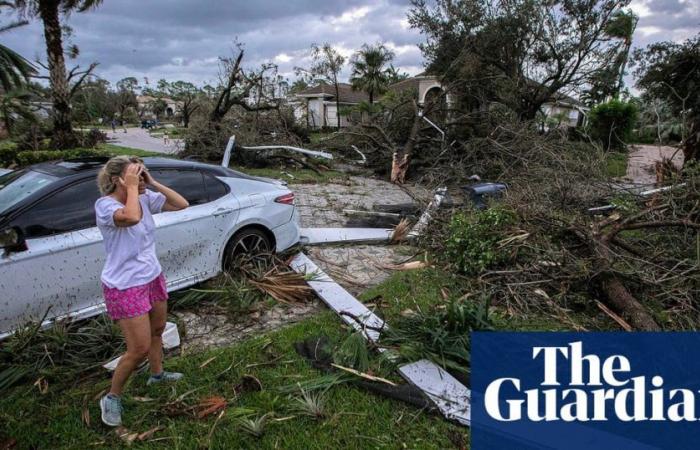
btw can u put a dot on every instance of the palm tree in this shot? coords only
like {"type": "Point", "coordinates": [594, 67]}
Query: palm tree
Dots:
{"type": "Point", "coordinates": [15, 104]}
{"type": "Point", "coordinates": [368, 69]}
{"type": "Point", "coordinates": [49, 11]}
{"type": "Point", "coordinates": [14, 69]}
{"type": "Point", "coordinates": [621, 26]}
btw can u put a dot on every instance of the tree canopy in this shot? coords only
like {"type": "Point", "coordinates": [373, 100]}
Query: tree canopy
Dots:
{"type": "Point", "coordinates": [520, 53]}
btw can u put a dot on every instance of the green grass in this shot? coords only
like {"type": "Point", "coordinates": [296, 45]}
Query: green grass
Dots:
{"type": "Point", "coordinates": [422, 288]}
{"type": "Point", "coordinates": [115, 150]}
{"type": "Point", "coordinates": [301, 176]}
{"type": "Point", "coordinates": [356, 418]}
{"type": "Point", "coordinates": [616, 164]}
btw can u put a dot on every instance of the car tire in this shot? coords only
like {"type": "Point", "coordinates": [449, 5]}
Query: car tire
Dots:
{"type": "Point", "coordinates": [251, 242]}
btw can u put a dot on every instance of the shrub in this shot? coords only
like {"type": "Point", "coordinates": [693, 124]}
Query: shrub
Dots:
{"type": "Point", "coordinates": [8, 153]}
{"type": "Point", "coordinates": [473, 242]}
{"type": "Point", "coordinates": [92, 138]}
{"type": "Point", "coordinates": [27, 158]}
{"type": "Point", "coordinates": [611, 123]}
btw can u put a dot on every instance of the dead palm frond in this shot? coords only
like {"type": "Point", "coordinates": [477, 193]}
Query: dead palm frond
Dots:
{"type": "Point", "coordinates": [401, 231]}
{"type": "Point", "coordinates": [283, 285]}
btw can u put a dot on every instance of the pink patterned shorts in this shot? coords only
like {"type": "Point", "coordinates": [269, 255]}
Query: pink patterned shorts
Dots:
{"type": "Point", "coordinates": [134, 301]}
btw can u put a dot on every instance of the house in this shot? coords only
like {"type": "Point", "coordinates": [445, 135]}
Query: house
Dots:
{"type": "Point", "coordinates": [317, 104]}
{"type": "Point", "coordinates": [146, 101]}
{"type": "Point", "coordinates": [564, 111]}
{"type": "Point", "coordinates": [561, 111]}
{"type": "Point", "coordinates": [427, 86]}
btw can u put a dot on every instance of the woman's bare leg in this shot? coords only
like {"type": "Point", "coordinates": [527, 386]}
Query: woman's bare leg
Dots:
{"type": "Point", "coordinates": [137, 333]}
{"type": "Point", "coordinates": [157, 317]}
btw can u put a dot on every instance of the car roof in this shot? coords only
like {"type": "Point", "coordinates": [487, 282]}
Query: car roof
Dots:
{"type": "Point", "coordinates": [80, 167]}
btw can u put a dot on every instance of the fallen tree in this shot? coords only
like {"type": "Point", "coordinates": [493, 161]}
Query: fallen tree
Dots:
{"type": "Point", "coordinates": [555, 258]}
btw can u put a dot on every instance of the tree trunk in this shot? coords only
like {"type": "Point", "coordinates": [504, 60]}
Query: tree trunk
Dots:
{"type": "Point", "coordinates": [625, 303]}
{"type": "Point", "coordinates": [401, 159]}
{"type": "Point", "coordinates": [691, 145]}
{"type": "Point", "coordinates": [337, 103]}
{"type": "Point", "coordinates": [618, 296]}
{"type": "Point", "coordinates": [63, 135]}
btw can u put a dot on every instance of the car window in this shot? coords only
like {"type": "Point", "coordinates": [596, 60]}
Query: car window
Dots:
{"type": "Point", "coordinates": [215, 188]}
{"type": "Point", "coordinates": [18, 185]}
{"type": "Point", "coordinates": [70, 209]}
{"type": "Point", "coordinates": [188, 183]}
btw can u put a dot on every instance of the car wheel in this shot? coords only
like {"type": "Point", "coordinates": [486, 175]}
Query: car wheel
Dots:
{"type": "Point", "coordinates": [251, 245]}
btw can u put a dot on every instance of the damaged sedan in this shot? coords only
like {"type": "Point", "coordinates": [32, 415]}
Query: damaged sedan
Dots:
{"type": "Point", "coordinates": [52, 253]}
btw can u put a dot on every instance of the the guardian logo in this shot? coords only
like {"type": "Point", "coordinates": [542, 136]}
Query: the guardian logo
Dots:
{"type": "Point", "coordinates": [593, 389]}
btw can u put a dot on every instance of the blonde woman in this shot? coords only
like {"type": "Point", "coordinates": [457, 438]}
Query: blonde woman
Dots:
{"type": "Point", "coordinates": [132, 278]}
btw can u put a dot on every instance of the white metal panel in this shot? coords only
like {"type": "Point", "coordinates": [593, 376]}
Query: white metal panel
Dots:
{"type": "Point", "coordinates": [337, 298]}
{"type": "Point", "coordinates": [450, 396]}
{"type": "Point", "coordinates": [313, 236]}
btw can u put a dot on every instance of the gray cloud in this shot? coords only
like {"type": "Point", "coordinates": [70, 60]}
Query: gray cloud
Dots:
{"type": "Point", "coordinates": [183, 39]}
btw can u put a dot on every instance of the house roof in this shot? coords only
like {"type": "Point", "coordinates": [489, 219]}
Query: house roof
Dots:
{"type": "Point", "coordinates": [327, 91]}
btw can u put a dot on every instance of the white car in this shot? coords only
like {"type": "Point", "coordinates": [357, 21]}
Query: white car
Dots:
{"type": "Point", "coordinates": [51, 252]}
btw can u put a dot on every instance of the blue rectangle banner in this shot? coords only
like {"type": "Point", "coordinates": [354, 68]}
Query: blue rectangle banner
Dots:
{"type": "Point", "coordinates": [585, 390]}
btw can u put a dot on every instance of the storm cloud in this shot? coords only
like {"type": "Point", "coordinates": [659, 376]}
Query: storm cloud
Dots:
{"type": "Point", "coordinates": [183, 39]}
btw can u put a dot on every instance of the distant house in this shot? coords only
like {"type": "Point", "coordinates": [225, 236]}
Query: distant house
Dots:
{"type": "Point", "coordinates": [426, 86]}
{"type": "Point", "coordinates": [317, 104]}
{"type": "Point", "coordinates": [144, 107]}
{"type": "Point", "coordinates": [562, 110]}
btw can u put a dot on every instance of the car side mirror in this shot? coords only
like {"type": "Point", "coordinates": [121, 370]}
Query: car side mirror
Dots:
{"type": "Point", "coordinates": [12, 240]}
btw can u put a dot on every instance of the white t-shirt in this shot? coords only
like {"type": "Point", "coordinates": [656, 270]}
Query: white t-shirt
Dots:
{"type": "Point", "coordinates": [131, 251]}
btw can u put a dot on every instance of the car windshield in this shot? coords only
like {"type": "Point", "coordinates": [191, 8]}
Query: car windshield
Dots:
{"type": "Point", "coordinates": [18, 185]}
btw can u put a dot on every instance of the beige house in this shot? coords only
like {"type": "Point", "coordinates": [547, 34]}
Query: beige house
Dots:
{"type": "Point", "coordinates": [561, 111]}
{"type": "Point", "coordinates": [426, 86]}
{"type": "Point", "coordinates": [144, 107]}
{"type": "Point", "coordinates": [317, 105]}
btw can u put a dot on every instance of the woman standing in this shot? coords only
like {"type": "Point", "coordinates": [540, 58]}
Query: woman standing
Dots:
{"type": "Point", "coordinates": [132, 278]}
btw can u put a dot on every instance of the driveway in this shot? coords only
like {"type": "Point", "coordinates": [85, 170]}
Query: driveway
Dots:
{"type": "Point", "coordinates": [640, 166]}
{"type": "Point", "coordinates": [355, 267]}
{"type": "Point", "coordinates": [141, 139]}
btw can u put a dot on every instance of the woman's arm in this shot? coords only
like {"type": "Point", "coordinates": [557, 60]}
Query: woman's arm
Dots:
{"type": "Point", "coordinates": [173, 200]}
{"type": "Point", "coordinates": [130, 214]}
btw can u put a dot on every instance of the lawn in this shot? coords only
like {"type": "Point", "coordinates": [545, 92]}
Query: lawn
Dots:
{"type": "Point", "coordinates": [115, 150]}
{"type": "Point", "coordinates": [616, 164]}
{"type": "Point", "coordinates": [67, 415]}
{"type": "Point", "coordinates": [353, 417]}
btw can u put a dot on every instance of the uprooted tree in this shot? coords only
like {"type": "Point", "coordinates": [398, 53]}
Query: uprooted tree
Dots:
{"type": "Point", "coordinates": [638, 262]}
{"type": "Point", "coordinates": [227, 106]}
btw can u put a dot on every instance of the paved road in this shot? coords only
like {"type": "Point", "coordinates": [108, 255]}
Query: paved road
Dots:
{"type": "Point", "coordinates": [640, 167]}
{"type": "Point", "coordinates": [139, 138]}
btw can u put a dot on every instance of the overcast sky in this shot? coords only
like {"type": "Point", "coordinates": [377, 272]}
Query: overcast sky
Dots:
{"type": "Point", "coordinates": [182, 39]}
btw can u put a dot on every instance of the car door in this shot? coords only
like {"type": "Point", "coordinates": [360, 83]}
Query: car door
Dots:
{"type": "Point", "coordinates": [189, 241]}
{"type": "Point", "coordinates": [51, 277]}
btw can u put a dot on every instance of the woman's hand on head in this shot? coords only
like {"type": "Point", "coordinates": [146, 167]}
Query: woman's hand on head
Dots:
{"type": "Point", "coordinates": [131, 176]}
{"type": "Point", "coordinates": [147, 178]}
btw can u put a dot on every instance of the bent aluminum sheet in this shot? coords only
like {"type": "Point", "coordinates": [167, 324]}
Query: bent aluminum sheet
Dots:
{"type": "Point", "coordinates": [451, 397]}
{"type": "Point", "coordinates": [313, 236]}
{"type": "Point", "coordinates": [337, 298]}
